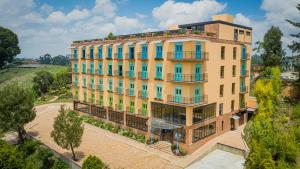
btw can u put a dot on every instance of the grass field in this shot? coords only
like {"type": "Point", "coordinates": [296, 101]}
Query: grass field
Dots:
{"type": "Point", "coordinates": [24, 76]}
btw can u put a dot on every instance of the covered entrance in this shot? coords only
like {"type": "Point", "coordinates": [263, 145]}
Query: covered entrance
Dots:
{"type": "Point", "coordinates": [165, 130]}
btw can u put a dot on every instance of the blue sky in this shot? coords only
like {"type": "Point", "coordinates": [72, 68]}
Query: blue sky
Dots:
{"type": "Point", "coordinates": [49, 26]}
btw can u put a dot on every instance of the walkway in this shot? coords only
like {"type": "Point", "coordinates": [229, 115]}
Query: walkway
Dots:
{"type": "Point", "coordinates": [119, 151]}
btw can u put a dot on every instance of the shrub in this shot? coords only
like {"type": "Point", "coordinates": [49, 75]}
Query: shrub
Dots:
{"type": "Point", "coordinates": [29, 147]}
{"type": "Point", "coordinates": [182, 152]}
{"type": "Point", "coordinates": [93, 162]}
{"type": "Point", "coordinates": [58, 164]}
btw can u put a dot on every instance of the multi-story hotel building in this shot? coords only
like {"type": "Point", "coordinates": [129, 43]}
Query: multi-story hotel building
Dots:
{"type": "Point", "coordinates": [192, 80]}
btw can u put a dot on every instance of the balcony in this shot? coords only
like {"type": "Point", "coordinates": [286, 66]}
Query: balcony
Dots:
{"type": "Point", "coordinates": [118, 73]}
{"type": "Point", "coordinates": [158, 96]}
{"type": "Point", "coordinates": [83, 71]}
{"type": "Point", "coordinates": [118, 57]}
{"type": "Point", "coordinates": [110, 73]}
{"type": "Point", "coordinates": [75, 84]}
{"type": "Point", "coordinates": [130, 92]}
{"type": "Point", "coordinates": [143, 75]}
{"type": "Point", "coordinates": [187, 56]}
{"type": "Point", "coordinates": [74, 57]}
{"type": "Point", "coordinates": [244, 73]}
{"type": "Point", "coordinates": [158, 76]}
{"type": "Point", "coordinates": [119, 90]}
{"type": "Point", "coordinates": [119, 107]}
{"type": "Point", "coordinates": [91, 71]}
{"type": "Point", "coordinates": [100, 87]}
{"type": "Point", "coordinates": [187, 78]}
{"type": "Point", "coordinates": [130, 109]}
{"type": "Point", "coordinates": [130, 74]}
{"type": "Point", "coordinates": [143, 56]}
{"type": "Point", "coordinates": [129, 56]}
{"type": "Point", "coordinates": [159, 55]}
{"type": "Point", "coordinates": [187, 101]}
{"type": "Point", "coordinates": [243, 89]}
{"type": "Point", "coordinates": [91, 86]}
{"type": "Point", "coordinates": [143, 112]}
{"type": "Point", "coordinates": [245, 57]}
{"type": "Point", "coordinates": [143, 94]}
{"type": "Point", "coordinates": [83, 85]}
{"type": "Point", "coordinates": [99, 72]}
{"type": "Point", "coordinates": [75, 71]}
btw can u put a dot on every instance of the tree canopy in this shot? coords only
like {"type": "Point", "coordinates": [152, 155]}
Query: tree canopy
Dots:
{"type": "Point", "coordinates": [295, 46]}
{"type": "Point", "coordinates": [42, 82]}
{"type": "Point", "coordinates": [9, 46]}
{"type": "Point", "coordinates": [92, 162]}
{"type": "Point", "coordinates": [67, 130]}
{"type": "Point", "coordinates": [16, 108]}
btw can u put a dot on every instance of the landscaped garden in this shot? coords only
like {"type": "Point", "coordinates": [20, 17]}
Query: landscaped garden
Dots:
{"type": "Point", "coordinates": [107, 126]}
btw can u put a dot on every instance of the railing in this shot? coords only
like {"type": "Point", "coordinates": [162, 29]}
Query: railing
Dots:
{"type": "Point", "coordinates": [118, 56]}
{"type": "Point", "coordinates": [110, 73]}
{"type": "Point", "coordinates": [130, 74]}
{"type": "Point", "coordinates": [99, 72]}
{"type": "Point", "coordinates": [128, 57]}
{"type": "Point", "coordinates": [130, 109]}
{"type": "Point", "coordinates": [91, 86]}
{"type": "Point", "coordinates": [84, 85]}
{"type": "Point", "coordinates": [119, 90]}
{"type": "Point", "coordinates": [130, 92]}
{"type": "Point", "coordinates": [187, 56]}
{"type": "Point", "coordinates": [159, 55]}
{"type": "Point", "coordinates": [158, 76]}
{"type": "Point", "coordinates": [187, 77]}
{"type": "Point", "coordinates": [91, 71]}
{"type": "Point", "coordinates": [119, 107]}
{"type": "Point", "coordinates": [100, 87]}
{"type": "Point", "coordinates": [158, 96]}
{"type": "Point", "coordinates": [187, 100]}
{"type": "Point", "coordinates": [143, 112]}
{"type": "Point", "coordinates": [143, 94]}
{"type": "Point", "coordinates": [243, 89]}
{"type": "Point", "coordinates": [143, 75]}
{"type": "Point", "coordinates": [143, 56]}
{"type": "Point", "coordinates": [83, 72]}
{"type": "Point", "coordinates": [244, 73]}
{"type": "Point", "coordinates": [245, 57]}
{"type": "Point", "coordinates": [75, 71]}
{"type": "Point", "coordinates": [118, 73]}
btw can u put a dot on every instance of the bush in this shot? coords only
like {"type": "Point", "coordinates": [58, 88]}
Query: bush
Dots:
{"type": "Point", "coordinates": [29, 147]}
{"type": "Point", "coordinates": [10, 157]}
{"type": "Point", "coordinates": [93, 162]}
{"type": "Point", "coordinates": [58, 164]}
{"type": "Point", "coordinates": [182, 152]}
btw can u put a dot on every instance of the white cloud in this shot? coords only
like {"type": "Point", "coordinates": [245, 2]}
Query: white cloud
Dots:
{"type": "Point", "coordinates": [45, 8]}
{"type": "Point", "coordinates": [127, 25]}
{"type": "Point", "coordinates": [58, 17]}
{"type": "Point", "coordinates": [105, 7]}
{"type": "Point", "coordinates": [172, 12]}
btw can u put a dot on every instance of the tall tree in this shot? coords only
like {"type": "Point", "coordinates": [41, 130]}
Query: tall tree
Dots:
{"type": "Point", "coordinates": [295, 46]}
{"type": "Point", "coordinates": [42, 82]}
{"type": "Point", "coordinates": [271, 47]}
{"type": "Point", "coordinates": [16, 108]}
{"type": "Point", "coordinates": [46, 59]}
{"type": "Point", "coordinates": [68, 130]}
{"type": "Point", "coordinates": [9, 46]}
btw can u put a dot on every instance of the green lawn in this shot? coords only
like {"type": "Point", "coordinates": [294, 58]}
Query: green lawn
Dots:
{"type": "Point", "coordinates": [25, 75]}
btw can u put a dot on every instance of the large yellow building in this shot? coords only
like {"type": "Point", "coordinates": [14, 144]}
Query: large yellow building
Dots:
{"type": "Point", "coordinates": [192, 80]}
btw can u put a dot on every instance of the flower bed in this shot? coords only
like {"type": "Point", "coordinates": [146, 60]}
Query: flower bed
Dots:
{"type": "Point", "coordinates": [107, 126]}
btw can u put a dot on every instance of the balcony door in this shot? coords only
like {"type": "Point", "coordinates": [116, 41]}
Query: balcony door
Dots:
{"type": "Point", "coordinates": [177, 95]}
{"type": "Point", "coordinates": [197, 98]}
{"type": "Point", "coordinates": [198, 51]}
{"type": "Point", "coordinates": [197, 72]}
{"type": "Point", "coordinates": [178, 72]}
{"type": "Point", "coordinates": [178, 51]}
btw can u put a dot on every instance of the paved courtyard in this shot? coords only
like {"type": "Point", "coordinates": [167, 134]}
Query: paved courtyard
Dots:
{"type": "Point", "coordinates": [118, 151]}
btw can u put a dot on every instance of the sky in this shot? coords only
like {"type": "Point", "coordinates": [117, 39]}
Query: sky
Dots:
{"type": "Point", "coordinates": [50, 26]}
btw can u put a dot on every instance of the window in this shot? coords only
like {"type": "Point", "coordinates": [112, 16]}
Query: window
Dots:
{"type": "Point", "coordinates": [84, 82]}
{"type": "Point", "coordinates": [248, 33]}
{"type": "Point", "coordinates": [222, 125]}
{"type": "Point", "coordinates": [91, 67]}
{"type": "Point", "coordinates": [91, 53]}
{"type": "Point", "coordinates": [100, 52]}
{"type": "Point", "coordinates": [92, 83]}
{"type": "Point", "coordinates": [83, 53]}
{"type": "Point", "coordinates": [241, 32]}
{"type": "Point", "coordinates": [109, 69]}
{"type": "Point", "coordinates": [131, 107]}
{"type": "Point", "coordinates": [232, 105]}
{"type": "Point", "coordinates": [131, 52]}
{"type": "Point", "coordinates": [174, 114]}
{"type": "Point", "coordinates": [233, 70]}
{"type": "Point", "coordinates": [204, 131]}
{"type": "Point", "coordinates": [120, 104]}
{"type": "Point", "coordinates": [100, 68]}
{"type": "Point", "coordinates": [120, 51]}
{"type": "Point", "coordinates": [83, 68]}
{"type": "Point", "coordinates": [75, 53]}
{"type": "Point", "coordinates": [101, 100]}
{"type": "Point", "coordinates": [222, 72]}
{"type": "Point", "coordinates": [159, 92]}
{"type": "Point", "coordinates": [233, 88]}
{"type": "Point", "coordinates": [120, 69]}
{"type": "Point", "coordinates": [84, 96]}
{"type": "Point", "coordinates": [234, 53]}
{"type": "Point", "coordinates": [109, 52]}
{"type": "Point", "coordinates": [93, 98]}
{"type": "Point", "coordinates": [144, 51]}
{"type": "Point", "coordinates": [222, 52]}
{"type": "Point", "coordinates": [144, 109]}
{"type": "Point", "coordinates": [110, 84]}
{"type": "Point", "coordinates": [221, 90]}
{"type": "Point", "coordinates": [75, 68]}
{"type": "Point", "coordinates": [203, 113]}
{"type": "Point", "coordinates": [110, 99]}
{"type": "Point", "coordinates": [220, 108]}
{"type": "Point", "coordinates": [159, 51]}
{"type": "Point", "coordinates": [158, 74]}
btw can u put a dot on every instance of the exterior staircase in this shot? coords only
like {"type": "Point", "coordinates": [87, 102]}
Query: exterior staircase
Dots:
{"type": "Point", "coordinates": [163, 146]}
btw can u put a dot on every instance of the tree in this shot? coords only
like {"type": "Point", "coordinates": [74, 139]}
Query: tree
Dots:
{"type": "Point", "coordinates": [93, 162]}
{"type": "Point", "coordinates": [42, 82]}
{"type": "Point", "coordinates": [10, 157]}
{"type": "Point", "coordinates": [110, 36]}
{"type": "Point", "coordinates": [62, 79]}
{"type": "Point", "coordinates": [61, 60]}
{"type": "Point", "coordinates": [46, 59]}
{"type": "Point", "coordinates": [16, 108]}
{"type": "Point", "coordinates": [9, 46]}
{"type": "Point", "coordinates": [271, 47]}
{"type": "Point", "coordinates": [68, 130]}
{"type": "Point", "coordinates": [295, 46]}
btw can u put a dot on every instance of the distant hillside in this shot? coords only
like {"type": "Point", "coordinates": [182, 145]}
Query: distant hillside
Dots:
{"type": "Point", "coordinates": [25, 75]}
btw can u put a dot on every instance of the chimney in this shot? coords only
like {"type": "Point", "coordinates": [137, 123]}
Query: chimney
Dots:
{"type": "Point", "coordinates": [223, 17]}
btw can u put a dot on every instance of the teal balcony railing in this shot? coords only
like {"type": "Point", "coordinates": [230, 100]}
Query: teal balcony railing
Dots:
{"type": "Point", "coordinates": [244, 73]}
{"type": "Point", "coordinates": [119, 90]}
{"type": "Point", "coordinates": [143, 75]}
{"type": "Point", "coordinates": [91, 71]}
{"type": "Point", "coordinates": [143, 56]}
{"type": "Point", "coordinates": [159, 96]}
{"type": "Point", "coordinates": [130, 74]}
{"type": "Point", "coordinates": [143, 94]}
{"type": "Point", "coordinates": [75, 70]}
{"type": "Point", "coordinates": [158, 75]}
{"type": "Point", "coordinates": [91, 86]}
{"type": "Point", "coordinates": [243, 89]}
{"type": "Point", "coordinates": [178, 77]}
{"type": "Point", "coordinates": [187, 100]}
{"type": "Point", "coordinates": [130, 92]}
{"type": "Point", "coordinates": [245, 56]}
{"type": "Point", "coordinates": [159, 55]}
{"type": "Point", "coordinates": [187, 56]}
